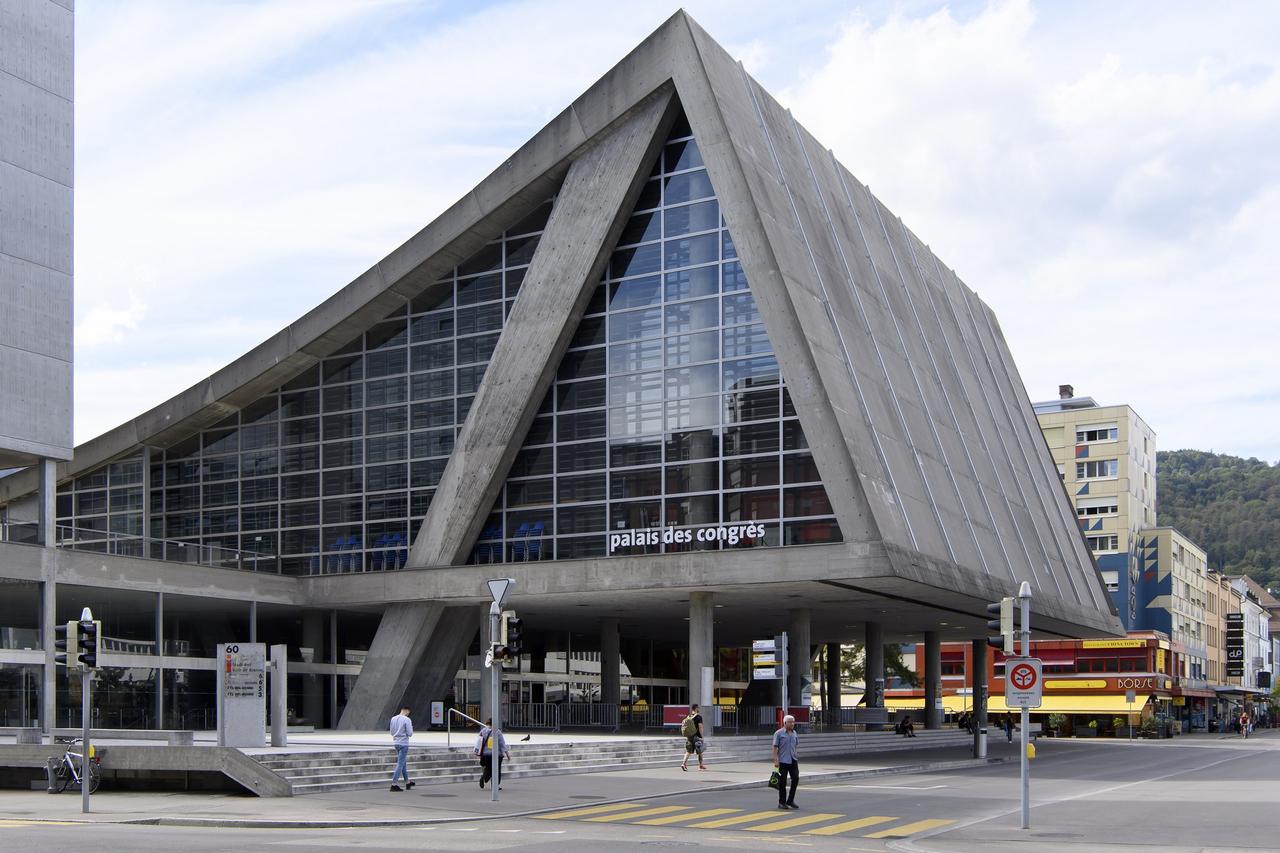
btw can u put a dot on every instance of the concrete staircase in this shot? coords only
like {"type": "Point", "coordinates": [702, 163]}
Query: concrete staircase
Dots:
{"type": "Point", "coordinates": [346, 770]}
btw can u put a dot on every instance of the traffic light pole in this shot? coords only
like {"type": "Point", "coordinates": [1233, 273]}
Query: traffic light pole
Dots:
{"type": "Point", "coordinates": [86, 708]}
{"type": "Point", "coordinates": [1024, 598]}
{"type": "Point", "coordinates": [495, 681]}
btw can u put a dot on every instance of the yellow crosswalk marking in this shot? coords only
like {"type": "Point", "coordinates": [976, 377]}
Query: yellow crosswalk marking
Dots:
{"type": "Point", "coordinates": [669, 819]}
{"type": "Point", "coordinates": [733, 821]}
{"type": "Point", "coordinates": [792, 822]}
{"type": "Point", "coordinates": [909, 829]}
{"type": "Point", "coordinates": [612, 807]}
{"type": "Point", "coordinates": [642, 813]}
{"type": "Point", "coordinates": [849, 825]}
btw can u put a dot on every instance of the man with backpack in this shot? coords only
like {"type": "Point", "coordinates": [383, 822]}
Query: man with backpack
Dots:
{"type": "Point", "coordinates": [691, 730]}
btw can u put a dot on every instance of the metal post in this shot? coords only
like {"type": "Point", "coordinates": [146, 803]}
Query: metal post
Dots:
{"type": "Point", "coordinates": [1024, 598]}
{"type": "Point", "coordinates": [495, 676]}
{"type": "Point", "coordinates": [86, 706]}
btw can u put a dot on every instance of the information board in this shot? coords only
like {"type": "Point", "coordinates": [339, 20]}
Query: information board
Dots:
{"type": "Point", "coordinates": [242, 694]}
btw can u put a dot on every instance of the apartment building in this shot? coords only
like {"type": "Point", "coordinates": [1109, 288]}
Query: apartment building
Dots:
{"type": "Point", "coordinates": [1106, 459]}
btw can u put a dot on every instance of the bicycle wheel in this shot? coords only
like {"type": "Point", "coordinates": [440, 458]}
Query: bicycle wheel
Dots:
{"type": "Point", "coordinates": [61, 777]}
{"type": "Point", "coordinates": [94, 776]}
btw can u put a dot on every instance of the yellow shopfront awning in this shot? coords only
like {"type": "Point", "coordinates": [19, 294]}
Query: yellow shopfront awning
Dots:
{"type": "Point", "coordinates": [1095, 704]}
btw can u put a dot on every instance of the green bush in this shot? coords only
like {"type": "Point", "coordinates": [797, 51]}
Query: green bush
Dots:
{"type": "Point", "coordinates": [1118, 722]}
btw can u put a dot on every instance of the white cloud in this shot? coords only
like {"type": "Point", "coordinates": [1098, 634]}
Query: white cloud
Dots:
{"type": "Point", "coordinates": [1104, 178]}
{"type": "Point", "coordinates": [1116, 212]}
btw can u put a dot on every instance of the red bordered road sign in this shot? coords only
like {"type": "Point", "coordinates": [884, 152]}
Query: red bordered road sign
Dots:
{"type": "Point", "coordinates": [1023, 683]}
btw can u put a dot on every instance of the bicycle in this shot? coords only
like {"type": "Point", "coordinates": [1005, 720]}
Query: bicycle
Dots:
{"type": "Point", "coordinates": [66, 771]}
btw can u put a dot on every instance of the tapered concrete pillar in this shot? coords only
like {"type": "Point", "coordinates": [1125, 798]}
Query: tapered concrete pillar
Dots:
{"type": "Point", "coordinates": [702, 647]}
{"type": "Point", "coordinates": [610, 663]}
{"type": "Point", "coordinates": [831, 699]}
{"type": "Point", "coordinates": [800, 661]}
{"type": "Point", "coordinates": [932, 680]}
{"type": "Point", "coordinates": [978, 681]}
{"type": "Point", "coordinates": [875, 665]}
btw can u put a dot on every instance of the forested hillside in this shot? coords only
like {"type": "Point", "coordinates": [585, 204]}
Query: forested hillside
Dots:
{"type": "Point", "coordinates": [1227, 505]}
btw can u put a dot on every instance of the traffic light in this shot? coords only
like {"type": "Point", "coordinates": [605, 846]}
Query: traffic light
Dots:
{"type": "Point", "coordinates": [90, 633]}
{"type": "Point", "coordinates": [67, 644]}
{"type": "Point", "coordinates": [514, 635]}
{"type": "Point", "coordinates": [1004, 609]}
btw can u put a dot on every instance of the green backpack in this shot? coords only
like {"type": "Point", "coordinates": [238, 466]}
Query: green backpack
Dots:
{"type": "Point", "coordinates": [688, 728]}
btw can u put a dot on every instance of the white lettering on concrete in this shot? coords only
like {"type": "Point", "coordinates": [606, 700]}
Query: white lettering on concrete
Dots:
{"type": "Point", "coordinates": [731, 534]}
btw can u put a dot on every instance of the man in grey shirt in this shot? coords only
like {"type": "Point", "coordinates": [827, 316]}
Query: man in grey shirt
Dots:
{"type": "Point", "coordinates": [785, 761]}
{"type": "Point", "coordinates": [401, 732]}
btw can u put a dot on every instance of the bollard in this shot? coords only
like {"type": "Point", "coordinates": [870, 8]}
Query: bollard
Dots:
{"type": "Point", "coordinates": [50, 769]}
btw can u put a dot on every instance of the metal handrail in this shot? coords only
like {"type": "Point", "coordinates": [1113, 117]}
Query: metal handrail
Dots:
{"type": "Point", "coordinates": [448, 725]}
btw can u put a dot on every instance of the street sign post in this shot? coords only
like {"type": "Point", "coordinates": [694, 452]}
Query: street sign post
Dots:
{"type": "Point", "coordinates": [499, 588]}
{"type": "Point", "coordinates": [1028, 673]}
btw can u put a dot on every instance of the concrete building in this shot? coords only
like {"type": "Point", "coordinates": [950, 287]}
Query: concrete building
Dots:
{"type": "Point", "coordinates": [670, 367]}
{"type": "Point", "coordinates": [36, 180]}
{"type": "Point", "coordinates": [1106, 460]}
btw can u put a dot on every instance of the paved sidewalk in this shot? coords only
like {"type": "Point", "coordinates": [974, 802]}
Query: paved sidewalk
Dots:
{"type": "Point", "coordinates": [463, 801]}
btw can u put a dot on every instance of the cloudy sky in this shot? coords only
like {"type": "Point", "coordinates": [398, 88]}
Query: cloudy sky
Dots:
{"type": "Point", "coordinates": [1105, 175]}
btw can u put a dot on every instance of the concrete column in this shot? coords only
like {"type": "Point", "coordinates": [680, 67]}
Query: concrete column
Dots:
{"type": "Point", "coordinates": [332, 719]}
{"type": "Point", "coordinates": [875, 665]}
{"type": "Point", "coordinates": [159, 656]}
{"type": "Point", "coordinates": [49, 678]}
{"type": "Point", "coordinates": [932, 680]}
{"type": "Point", "coordinates": [610, 662]}
{"type": "Point", "coordinates": [312, 688]}
{"type": "Point", "coordinates": [47, 497]}
{"type": "Point", "coordinates": [978, 681]}
{"type": "Point", "coordinates": [253, 621]}
{"type": "Point", "coordinates": [702, 648]}
{"type": "Point", "coordinates": [831, 682]}
{"type": "Point", "coordinates": [800, 662]}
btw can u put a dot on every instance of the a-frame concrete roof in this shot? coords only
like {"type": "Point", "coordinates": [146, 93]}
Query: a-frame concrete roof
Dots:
{"type": "Point", "coordinates": [919, 423]}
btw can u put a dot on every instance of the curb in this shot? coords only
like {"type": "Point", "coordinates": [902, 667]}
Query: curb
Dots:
{"type": "Point", "coordinates": [270, 823]}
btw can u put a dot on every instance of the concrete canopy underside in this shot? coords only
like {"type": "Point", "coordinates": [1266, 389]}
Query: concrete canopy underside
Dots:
{"type": "Point", "coordinates": [917, 420]}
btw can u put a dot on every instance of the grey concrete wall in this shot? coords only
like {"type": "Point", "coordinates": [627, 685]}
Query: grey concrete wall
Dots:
{"type": "Point", "coordinates": [951, 476]}
{"type": "Point", "coordinates": [36, 118]}
{"type": "Point", "coordinates": [401, 640]}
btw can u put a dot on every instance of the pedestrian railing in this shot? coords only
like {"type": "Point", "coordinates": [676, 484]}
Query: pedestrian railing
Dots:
{"type": "Point", "coordinates": [448, 724]}
{"type": "Point", "coordinates": [20, 532]}
{"type": "Point", "coordinates": [532, 715]}
{"type": "Point", "coordinates": [592, 715]}
{"type": "Point", "coordinates": [125, 545]}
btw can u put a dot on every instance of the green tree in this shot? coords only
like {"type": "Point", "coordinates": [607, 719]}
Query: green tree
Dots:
{"type": "Point", "coordinates": [1227, 505]}
{"type": "Point", "coordinates": [853, 664]}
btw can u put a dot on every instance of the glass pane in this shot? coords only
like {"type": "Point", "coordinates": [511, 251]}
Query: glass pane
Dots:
{"type": "Point", "coordinates": [693, 316]}
{"type": "Point", "coordinates": [702, 216]}
{"type": "Point", "coordinates": [635, 293]}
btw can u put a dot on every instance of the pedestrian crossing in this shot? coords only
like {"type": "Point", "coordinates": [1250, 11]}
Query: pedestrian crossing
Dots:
{"type": "Point", "coordinates": [797, 823]}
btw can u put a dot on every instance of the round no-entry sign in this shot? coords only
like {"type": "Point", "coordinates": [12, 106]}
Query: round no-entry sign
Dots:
{"type": "Point", "coordinates": [1023, 676]}
{"type": "Point", "coordinates": [1023, 683]}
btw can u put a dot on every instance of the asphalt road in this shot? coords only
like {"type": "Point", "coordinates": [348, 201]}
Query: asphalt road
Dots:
{"type": "Point", "coordinates": [1167, 796]}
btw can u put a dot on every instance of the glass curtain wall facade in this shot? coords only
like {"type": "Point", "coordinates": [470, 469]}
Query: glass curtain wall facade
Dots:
{"type": "Point", "coordinates": [669, 414]}
{"type": "Point", "coordinates": [333, 471]}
